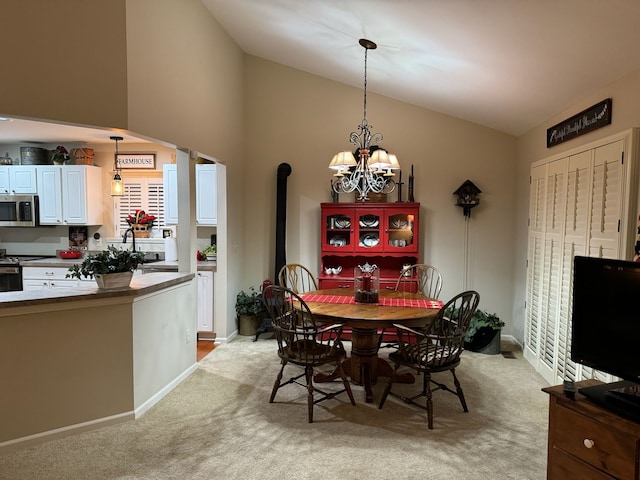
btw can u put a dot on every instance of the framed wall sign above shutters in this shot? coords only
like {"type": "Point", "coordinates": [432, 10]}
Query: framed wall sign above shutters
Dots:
{"type": "Point", "coordinates": [590, 119]}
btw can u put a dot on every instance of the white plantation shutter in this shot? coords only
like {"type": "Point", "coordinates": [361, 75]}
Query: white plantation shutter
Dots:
{"type": "Point", "coordinates": [574, 241]}
{"type": "Point", "coordinates": [556, 178]}
{"type": "Point", "coordinates": [139, 194]}
{"type": "Point", "coordinates": [605, 210]}
{"type": "Point", "coordinates": [576, 208]}
{"type": "Point", "coordinates": [155, 201]}
{"type": "Point", "coordinates": [534, 262]}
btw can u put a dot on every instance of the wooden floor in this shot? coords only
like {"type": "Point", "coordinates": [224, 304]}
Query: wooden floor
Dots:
{"type": "Point", "coordinates": [204, 347]}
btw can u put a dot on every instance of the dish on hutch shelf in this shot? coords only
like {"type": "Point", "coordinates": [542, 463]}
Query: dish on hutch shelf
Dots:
{"type": "Point", "coordinates": [337, 241]}
{"type": "Point", "coordinates": [370, 240]}
{"type": "Point", "coordinates": [370, 221]}
{"type": "Point", "coordinates": [333, 271]}
{"type": "Point", "coordinates": [399, 223]}
{"type": "Point", "coordinates": [343, 222]}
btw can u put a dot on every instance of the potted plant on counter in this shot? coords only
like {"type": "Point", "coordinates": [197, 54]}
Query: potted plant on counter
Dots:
{"type": "Point", "coordinates": [112, 268]}
{"type": "Point", "coordinates": [250, 311]}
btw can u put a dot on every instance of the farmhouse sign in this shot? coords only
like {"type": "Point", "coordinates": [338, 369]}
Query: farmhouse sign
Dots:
{"type": "Point", "coordinates": [136, 160]}
{"type": "Point", "coordinates": [590, 119]}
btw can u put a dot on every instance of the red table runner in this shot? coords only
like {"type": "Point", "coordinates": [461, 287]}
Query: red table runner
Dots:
{"type": "Point", "coordinates": [388, 302]}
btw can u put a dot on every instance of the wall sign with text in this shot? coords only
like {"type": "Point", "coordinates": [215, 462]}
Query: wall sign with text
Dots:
{"type": "Point", "coordinates": [136, 160]}
{"type": "Point", "coordinates": [590, 119]}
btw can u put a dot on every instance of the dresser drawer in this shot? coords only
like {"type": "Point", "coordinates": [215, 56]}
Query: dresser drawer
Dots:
{"type": "Point", "coordinates": [326, 284]}
{"type": "Point", "coordinates": [594, 443]}
{"type": "Point", "coordinates": [567, 467]}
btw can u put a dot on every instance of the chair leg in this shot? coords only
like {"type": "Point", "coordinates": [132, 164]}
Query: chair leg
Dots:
{"type": "Point", "coordinates": [345, 382]}
{"type": "Point", "coordinates": [387, 388]}
{"type": "Point", "coordinates": [459, 390]}
{"type": "Point", "coordinates": [308, 373]}
{"type": "Point", "coordinates": [428, 394]}
{"type": "Point", "coordinates": [276, 385]}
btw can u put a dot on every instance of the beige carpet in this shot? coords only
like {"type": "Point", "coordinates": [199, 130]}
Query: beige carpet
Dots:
{"type": "Point", "coordinates": [218, 424]}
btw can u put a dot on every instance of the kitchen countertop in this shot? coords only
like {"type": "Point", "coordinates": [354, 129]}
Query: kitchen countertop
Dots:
{"type": "Point", "coordinates": [165, 266]}
{"type": "Point", "coordinates": [140, 285]}
{"type": "Point", "coordinates": [161, 265]}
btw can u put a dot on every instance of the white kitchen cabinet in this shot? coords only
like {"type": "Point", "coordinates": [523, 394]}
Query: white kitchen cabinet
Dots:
{"type": "Point", "coordinates": [70, 195]}
{"type": "Point", "coordinates": [206, 191]}
{"type": "Point", "coordinates": [18, 180]}
{"type": "Point", "coordinates": [205, 301]}
{"type": "Point", "coordinates": [170, 188]}
{"type": "Point", "coordinates": [46, 278]}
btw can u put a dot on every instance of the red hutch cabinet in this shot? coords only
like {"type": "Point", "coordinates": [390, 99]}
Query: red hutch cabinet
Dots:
{"type": "Point", "coordinates": [385, 234]}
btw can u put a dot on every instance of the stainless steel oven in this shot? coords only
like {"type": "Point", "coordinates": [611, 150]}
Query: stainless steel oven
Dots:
{"type": "Point", "coordinates": [10, 277]}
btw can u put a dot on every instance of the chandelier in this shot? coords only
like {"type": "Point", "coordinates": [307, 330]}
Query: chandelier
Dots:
{"type": "Point", "coordinates": [372, 172]}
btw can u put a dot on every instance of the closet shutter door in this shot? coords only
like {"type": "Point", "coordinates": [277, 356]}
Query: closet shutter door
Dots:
{"type": "Point", "coordinates": [581, 204]}
{"type": "Point", "coordinates": [534, 262]}
{"type": "Point", "coordinates": [574, 243]}
{"type": "Point", "coordinates": [607, 201]}
{"type": "Point", "coordinates": [552, 264]}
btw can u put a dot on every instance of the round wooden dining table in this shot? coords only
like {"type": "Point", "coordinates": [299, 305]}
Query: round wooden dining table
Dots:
{"type": "Point", "coordinates": [367, 320]}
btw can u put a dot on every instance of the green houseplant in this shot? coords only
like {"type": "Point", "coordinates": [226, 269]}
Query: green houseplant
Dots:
{"type": "Point", "coordinates": [482, 332]}
{"type": "Point", "coordinates": [108, 262]}
{"type": "Point", "coordinates": [250, 311]}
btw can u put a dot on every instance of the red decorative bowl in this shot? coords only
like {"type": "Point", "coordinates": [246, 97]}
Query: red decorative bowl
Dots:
{"type": "Point", "coordinates": [70, 254]}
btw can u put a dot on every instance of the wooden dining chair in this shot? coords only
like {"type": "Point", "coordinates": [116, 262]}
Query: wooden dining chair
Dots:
{"type": "Point", "coordinates": [427, 278]}
{"type": "Point", "coordinates": [437, 349]}
{"type": "Point", "coordinates": [305, 344]}
{"type": "Point", "coordinates": [421, 278]}
{"type": "Point", "coordinates": [297, 277]}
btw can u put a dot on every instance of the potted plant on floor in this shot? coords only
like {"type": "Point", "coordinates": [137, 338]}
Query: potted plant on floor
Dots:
{"type": "Point", "coordinates": [483, 334]}
{"type": "Point", "coordinates": [250, 311]}
{"type": "Point", "coordinates": [112, 268]}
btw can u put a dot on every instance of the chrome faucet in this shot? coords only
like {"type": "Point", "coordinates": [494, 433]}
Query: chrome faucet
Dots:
{"type": "Point", "coordinates": [133, 237]}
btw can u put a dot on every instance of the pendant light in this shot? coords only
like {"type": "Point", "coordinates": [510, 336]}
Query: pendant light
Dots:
{"type": "Point", "coordinates": [117, 185]}
{"type": "Point", "coordinates": [373, 168]}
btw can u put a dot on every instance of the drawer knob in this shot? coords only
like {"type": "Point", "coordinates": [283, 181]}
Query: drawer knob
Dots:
{"type": "Point", "coordinates": [588, 443]}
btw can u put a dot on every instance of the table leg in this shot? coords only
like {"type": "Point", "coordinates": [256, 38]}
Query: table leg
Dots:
{"type": "Point", "coordinates": [364, 367]}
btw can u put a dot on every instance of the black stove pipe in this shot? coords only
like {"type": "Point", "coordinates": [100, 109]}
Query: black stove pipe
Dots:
{"type": "Point", "coordinates": [284, 170]}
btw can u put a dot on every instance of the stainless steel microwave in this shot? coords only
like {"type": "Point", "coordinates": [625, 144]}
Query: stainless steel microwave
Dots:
{"type": "Point", "coordinates": [19, 211]}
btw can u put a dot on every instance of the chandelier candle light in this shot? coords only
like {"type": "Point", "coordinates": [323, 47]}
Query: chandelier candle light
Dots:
{"type": "Point", "coordinates": [373, 171]}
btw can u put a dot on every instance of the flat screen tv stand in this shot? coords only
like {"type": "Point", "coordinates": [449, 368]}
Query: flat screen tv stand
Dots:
{"type": "Point", "coordinates": [587, 440]}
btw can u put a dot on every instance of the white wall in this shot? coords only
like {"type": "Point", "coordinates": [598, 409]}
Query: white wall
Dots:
{"type": "Point", "coordinates": [291, 117]}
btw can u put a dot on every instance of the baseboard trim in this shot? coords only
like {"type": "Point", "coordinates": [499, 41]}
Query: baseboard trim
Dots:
{"type": "Point", "coordinates": [68, 430]}
{"type": "Point", "coordinates": [139, 411]}
{"type": "Point", "coordinates": [512, 339]}
{"type": "Point", "coordinates": [37, 438]}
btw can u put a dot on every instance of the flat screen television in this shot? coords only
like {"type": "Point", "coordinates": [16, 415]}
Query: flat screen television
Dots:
{"type": "Point", "coordinates": [605, 329]}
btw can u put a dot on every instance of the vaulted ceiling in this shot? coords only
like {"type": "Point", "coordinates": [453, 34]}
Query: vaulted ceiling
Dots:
{"type": "Point", "coordinates": [505, 64]}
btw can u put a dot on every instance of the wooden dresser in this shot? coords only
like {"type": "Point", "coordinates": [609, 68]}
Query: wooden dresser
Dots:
{"type": "Point", "coordinates": [587, 441]}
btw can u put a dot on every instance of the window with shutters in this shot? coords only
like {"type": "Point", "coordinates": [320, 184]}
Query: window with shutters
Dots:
{"type": "Point", "coordinates": [144, 193]}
